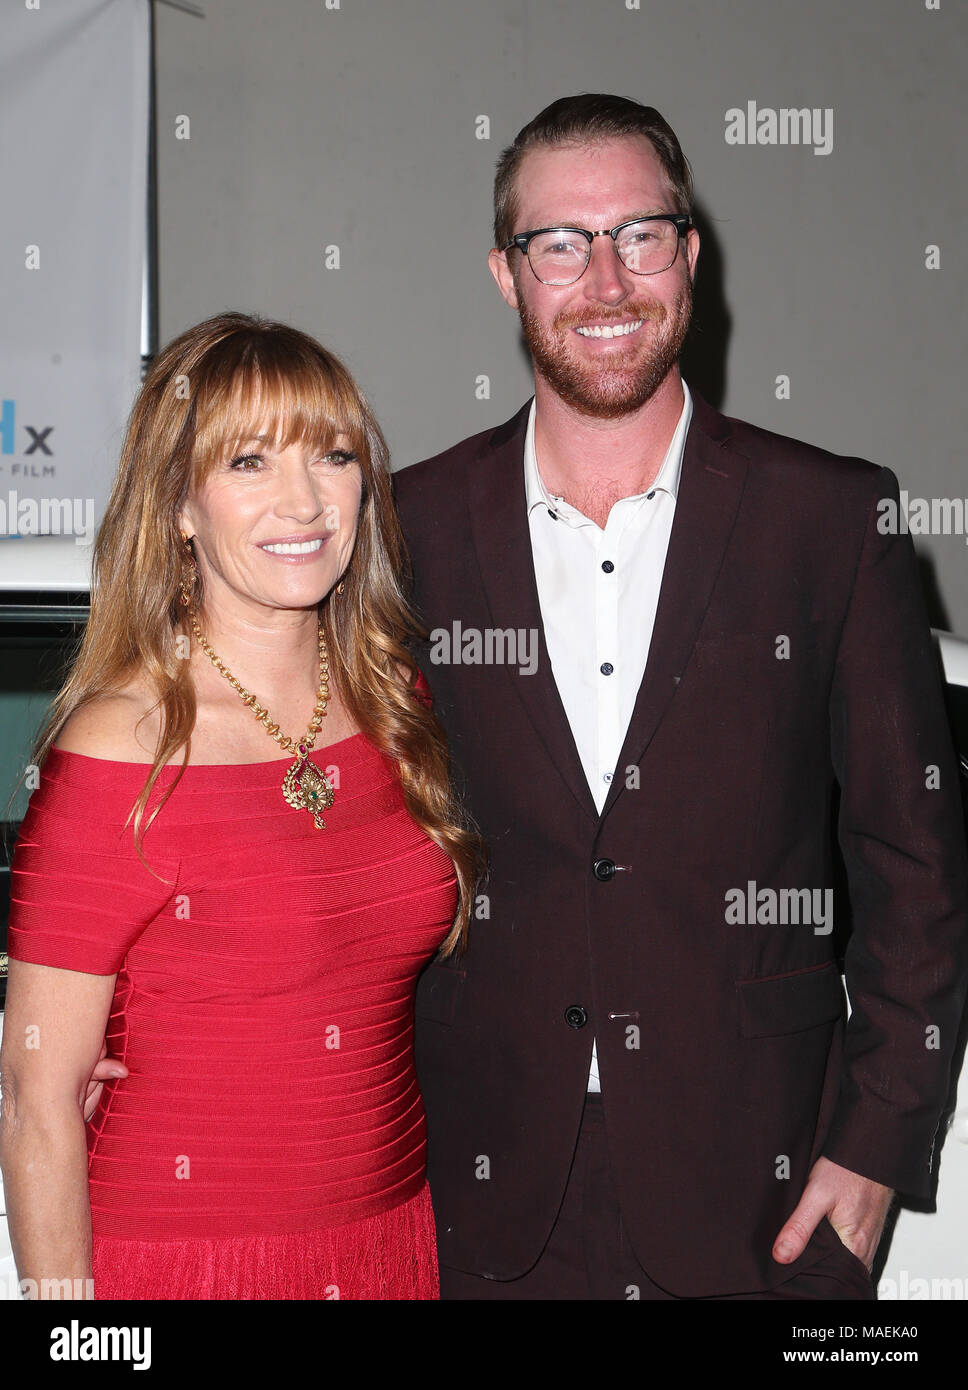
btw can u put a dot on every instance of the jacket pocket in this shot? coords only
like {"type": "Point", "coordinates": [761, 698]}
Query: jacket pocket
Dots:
{"type": "Point", "coordinates": [790, 1003]}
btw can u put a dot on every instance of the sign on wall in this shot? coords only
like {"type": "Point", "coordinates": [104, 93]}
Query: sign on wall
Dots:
{"type": "Point", "coordinates": [74, 81]}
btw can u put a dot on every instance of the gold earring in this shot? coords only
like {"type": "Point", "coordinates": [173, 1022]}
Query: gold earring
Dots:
{"type": "Point", "coordinates": [189, 574]}
{"type": "Point", "coordinates": [340, 587]}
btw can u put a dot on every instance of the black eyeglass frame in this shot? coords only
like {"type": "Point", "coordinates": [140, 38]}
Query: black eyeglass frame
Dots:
{"type": "Point", "coordinates": [682, 221]}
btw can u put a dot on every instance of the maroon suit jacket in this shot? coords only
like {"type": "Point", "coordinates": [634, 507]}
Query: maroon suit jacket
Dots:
{"type": "Point", "coordinates": [742, 1070]}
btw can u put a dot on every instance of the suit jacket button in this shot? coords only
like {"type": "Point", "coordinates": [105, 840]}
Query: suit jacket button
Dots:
{"type": "Point", "coordinates": [575, 1016]}
{"type": "Point", "coordinates": [603, 869]}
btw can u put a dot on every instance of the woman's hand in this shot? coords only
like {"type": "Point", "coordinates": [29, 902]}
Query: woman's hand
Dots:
{"type": "Point", "coordinates": [105, 1070]}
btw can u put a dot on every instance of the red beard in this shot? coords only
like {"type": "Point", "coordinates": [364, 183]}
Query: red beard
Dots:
{"type": "Point", "coordinates": [628, 378]}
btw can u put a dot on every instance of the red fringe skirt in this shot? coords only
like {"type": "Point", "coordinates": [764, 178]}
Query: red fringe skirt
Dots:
{"type": "Point", "coordinates": [389, 1256]}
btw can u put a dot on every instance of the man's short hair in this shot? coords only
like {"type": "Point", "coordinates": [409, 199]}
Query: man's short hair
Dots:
{"type": "Point", "coordinates": [588, 118]}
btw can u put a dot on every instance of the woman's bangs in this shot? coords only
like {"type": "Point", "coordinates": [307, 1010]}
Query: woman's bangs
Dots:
{"type": "Point", "coordinates": [276, 406]}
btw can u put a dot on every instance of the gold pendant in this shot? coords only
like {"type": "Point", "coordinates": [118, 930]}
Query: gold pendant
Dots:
{"type": "Point", "coordinates": [306, 789]}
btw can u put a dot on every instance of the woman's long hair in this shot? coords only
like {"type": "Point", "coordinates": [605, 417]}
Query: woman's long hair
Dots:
{"type": "Point", "coordinates": [212, 388]}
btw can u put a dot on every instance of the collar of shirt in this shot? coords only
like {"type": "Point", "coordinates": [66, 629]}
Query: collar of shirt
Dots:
{"type": "Point", "coordinates": [666, 480]}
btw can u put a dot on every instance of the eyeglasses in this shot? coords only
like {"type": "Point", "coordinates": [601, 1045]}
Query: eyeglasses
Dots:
{"type": "Point", "coordinates": [646, 246]}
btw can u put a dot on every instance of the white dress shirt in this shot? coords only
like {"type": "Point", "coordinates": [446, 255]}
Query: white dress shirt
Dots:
{"type": "Point", "coordinates": [598, 591]}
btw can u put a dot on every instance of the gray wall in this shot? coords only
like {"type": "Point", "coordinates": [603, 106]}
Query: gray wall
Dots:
{"type": "Point", "coordinates": [356, 127]}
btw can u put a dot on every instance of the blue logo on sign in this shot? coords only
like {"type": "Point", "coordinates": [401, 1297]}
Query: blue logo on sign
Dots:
{"type": "Point", "coordinates": [38, 437]}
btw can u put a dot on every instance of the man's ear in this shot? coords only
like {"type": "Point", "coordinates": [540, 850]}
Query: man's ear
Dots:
{"type": "Point", "coordinates": [498, 264]}
{"type": "Point", "coordinates": [692, 251]}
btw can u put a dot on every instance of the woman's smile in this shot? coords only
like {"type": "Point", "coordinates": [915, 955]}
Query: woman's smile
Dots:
{"type": "Point", "coordinates": [296, 549]}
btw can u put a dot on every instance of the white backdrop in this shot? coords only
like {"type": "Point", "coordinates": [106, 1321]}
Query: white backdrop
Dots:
{"type": "Point", "coordinates": [73, 170]}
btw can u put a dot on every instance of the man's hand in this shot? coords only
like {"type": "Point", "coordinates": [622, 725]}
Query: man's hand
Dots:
{"type": "Point", "coordinates": [107, 1069]}
{"type": "Point", "coordinates": [856, 1207]}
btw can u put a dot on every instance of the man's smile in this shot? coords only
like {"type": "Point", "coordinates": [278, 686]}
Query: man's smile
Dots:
{"type": "Point", "coordinates": [609, 330]}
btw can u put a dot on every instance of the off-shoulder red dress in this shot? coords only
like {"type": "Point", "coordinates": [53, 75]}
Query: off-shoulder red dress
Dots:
{"type": "Point", "coordinates": [269, 1142]}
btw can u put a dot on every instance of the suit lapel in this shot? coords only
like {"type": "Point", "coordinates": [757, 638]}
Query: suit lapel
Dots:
{"type": "Point", "coordinates": [710, 488]}
{"type": "Point", "coordinates": [502, 538]}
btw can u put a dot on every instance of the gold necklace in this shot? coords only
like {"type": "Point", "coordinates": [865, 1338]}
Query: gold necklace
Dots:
{"type": "Point", "coordinates": [304, 786]}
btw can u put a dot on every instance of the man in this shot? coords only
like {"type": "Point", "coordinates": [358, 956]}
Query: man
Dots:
{"type": "Point", "coordinates": [638, 1079]}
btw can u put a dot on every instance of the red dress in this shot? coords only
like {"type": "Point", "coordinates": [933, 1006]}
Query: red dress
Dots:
{"type": "Point", "coordinates": [269, 1142]}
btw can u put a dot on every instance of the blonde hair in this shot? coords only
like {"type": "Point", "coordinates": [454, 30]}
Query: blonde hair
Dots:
{"type": "Point", "coordinates": [214, 386]}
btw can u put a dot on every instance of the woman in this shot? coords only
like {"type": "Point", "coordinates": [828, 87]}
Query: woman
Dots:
{"type": "Point", "coordinates": [245, 919]}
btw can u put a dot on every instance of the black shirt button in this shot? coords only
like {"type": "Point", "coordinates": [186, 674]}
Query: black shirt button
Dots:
{"type": "Point", "coordinates": [607, 566]}
{"type": "Point", "coordinates": [606, 668]}
{"type": "Point", "coordinates": [575, 1016]}
{"type": "Point", "coordinates": [604, 869]}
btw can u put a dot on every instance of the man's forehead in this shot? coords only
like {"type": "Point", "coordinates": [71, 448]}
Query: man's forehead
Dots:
{"type": "Point", "coordinates": [622, 178]}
